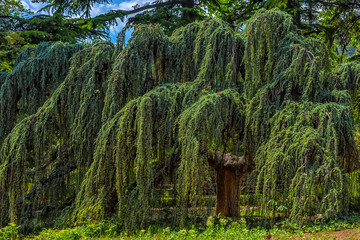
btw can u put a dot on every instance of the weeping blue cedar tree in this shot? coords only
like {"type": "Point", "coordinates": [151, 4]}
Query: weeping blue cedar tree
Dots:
{"type": "Point", "coordinates": [208, 102]}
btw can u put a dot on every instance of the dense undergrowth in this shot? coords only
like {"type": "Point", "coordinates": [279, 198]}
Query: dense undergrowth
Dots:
{"type": "Point", "coordinates": [210, 228]}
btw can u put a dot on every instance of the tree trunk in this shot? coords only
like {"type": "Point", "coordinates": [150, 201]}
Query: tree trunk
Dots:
{"type": "Point", "coordinates": [227, 193]}
{"type": "Point", "coordinates": [230, 170]}
{"type": "Point", "coordinates": [294, 5]}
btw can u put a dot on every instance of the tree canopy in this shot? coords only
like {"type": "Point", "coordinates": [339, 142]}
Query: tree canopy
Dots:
{"type": "Point", "coordinates": [333, 22]}
{"type": "Point", "coordinates": [20, 29]}
{"type": "Point", "coordinates": [89, 130]}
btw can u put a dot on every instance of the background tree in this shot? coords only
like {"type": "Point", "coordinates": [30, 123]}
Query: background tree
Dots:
{"type": "Point", "coordinates": [170, 14]}
{"type": "Point", "coordinates": [10, 44]}
{"type": "Point", "coordinates": [334, 22]}
{"type": "Point", "coordinates": [20, 29]}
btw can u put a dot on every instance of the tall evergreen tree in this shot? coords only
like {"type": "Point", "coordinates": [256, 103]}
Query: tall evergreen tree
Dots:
{"type": "Point", "coordinates": [334, 22]}
{"type": "Point", "coordinates": [20, 29]}
{"type": "Point", "coordinates": [208, 102]}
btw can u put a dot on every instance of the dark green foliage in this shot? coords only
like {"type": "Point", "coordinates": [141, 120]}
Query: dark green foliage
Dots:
{"type": "Point", "coordinates": [139, 141]}
{"type": "Point", "coordinates": [10, 43]}
{"type": "Point", "coordinates": [57, 27]}
{"type": "Point", "coordinates": [121, 121]}
{"type": "Point", "coordinates": [45, 146]}
{"type": "Point", "coordinates": [208, 50]}
{"type": "Point", "coordinates": [55, 144]}
{"type": "Point", "coordinates": [2, 77]}
{"type": "Point", "coordinates": [20, 30]}
{"type": "Point", "coordinates": [169, 14]}
{"type": "Point", "coordinates": [37, 73]}
{"type": "Point", "coordinates": [347, 76]}
{"type": "Point", "coordinates": [298, 129]}
{"type": "Point", "coordinates": [215, 122]}
{"type": "Point", "coordinates": [303, 151]}
{"type": "Point", "coordinates": [138, 145]}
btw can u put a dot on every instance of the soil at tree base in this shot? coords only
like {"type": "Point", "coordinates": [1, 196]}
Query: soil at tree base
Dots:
{"type": "Point", "coordinates": [348, 234]}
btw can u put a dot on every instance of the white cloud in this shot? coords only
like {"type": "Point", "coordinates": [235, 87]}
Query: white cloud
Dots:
{"type": "Point", "coordinates": [129, 4]}
{"type": "Point", "coordinates": [24, 3]}
{"type": "Point", "coordinates": [35, 7]}
{"type": "Point", "coordinates": [104, 8]}
{"type": "Point", "coordinates": [126, 5]}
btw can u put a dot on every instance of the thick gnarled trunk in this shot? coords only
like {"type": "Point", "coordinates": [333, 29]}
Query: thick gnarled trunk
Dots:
{"type": "Point", "coordinates": [230, 170]}
{"type": "Point", "coordinates": [227, 193]}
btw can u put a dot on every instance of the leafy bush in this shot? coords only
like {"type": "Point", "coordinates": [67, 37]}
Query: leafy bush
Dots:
{"type": "Point", "coordinates": [9, 232]}
{"type": "Point", "coordinates": [90, 229]}
{"type": "Point", "coordinates": [213, 228]}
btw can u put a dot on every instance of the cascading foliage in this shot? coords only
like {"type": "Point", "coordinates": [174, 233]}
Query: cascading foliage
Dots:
{"type": "Point", "coordinates": [299, 125]}
{"type": "Point", "coordinates": [346, 76]}
{"type": "Point", "coordinates": [54, 147]}
{"type": "Point", "coordinates": [144, 147]}
{"type": "Point", "coordinates": [3, 75]}
{"type": "Point", "coordinates": [95, 135]}
{"type": "Point", "coordinates": [37, 73]}
{"type": "Point", "coordinates": [208, 51]}
{"type": "Point", "coordinates": [40, 164]}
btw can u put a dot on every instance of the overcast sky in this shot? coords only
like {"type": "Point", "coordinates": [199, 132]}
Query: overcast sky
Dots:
{"type": "Point", "coordinates": [99, 9]}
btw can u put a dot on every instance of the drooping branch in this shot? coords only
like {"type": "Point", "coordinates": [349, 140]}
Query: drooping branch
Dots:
{"type": "Point", "coordinates": [37, 146]}
{"type": "Point", "coordinates": [42, 183]}
{"type": "Point", "coordinates": [96, 44]}
{"type": "Point", "coordinates": [299, 128]}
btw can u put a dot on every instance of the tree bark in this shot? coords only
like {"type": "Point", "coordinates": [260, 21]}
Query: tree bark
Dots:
{"type": "Point", "coordinates": [227, 193]}
{"type": "Point", "coordinates": [230, 170]}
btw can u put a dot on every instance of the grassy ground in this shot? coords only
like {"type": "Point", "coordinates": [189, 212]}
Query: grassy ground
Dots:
{"type": "Point", "coordinates": [214, 228]}
{"type": "Point", "coordinates": [348, 234]}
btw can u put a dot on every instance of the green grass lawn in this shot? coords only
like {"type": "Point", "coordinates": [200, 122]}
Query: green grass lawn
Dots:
{"type": "Point", "coordinates": [213, 228]}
